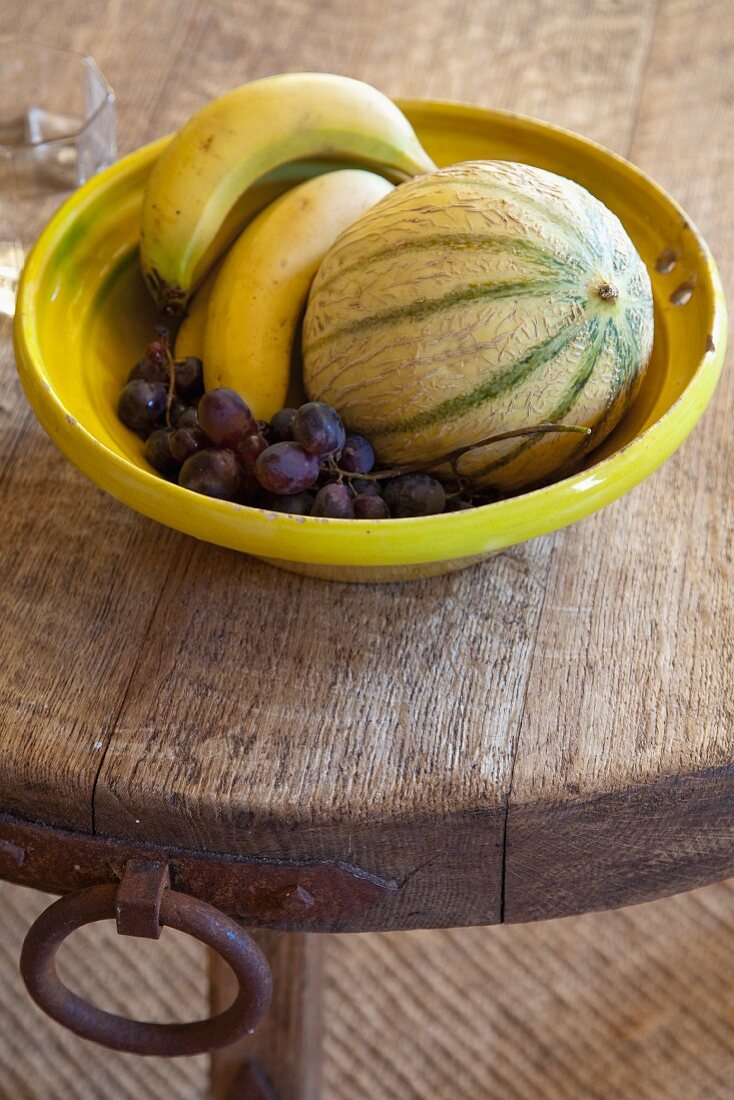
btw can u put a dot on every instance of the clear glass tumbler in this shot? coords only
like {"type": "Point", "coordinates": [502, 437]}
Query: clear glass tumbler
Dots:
{"type": "Point", "coordinates": [57, 128]}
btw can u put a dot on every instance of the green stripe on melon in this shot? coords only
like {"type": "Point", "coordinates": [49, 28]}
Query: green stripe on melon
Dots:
{"type": "Point", "coordinates": [544, 257]}
{"type": "Point", "coordinates": [483, 298]}
{"type": "Point", "coordinates": [564, 406]}
{"type": "Point", "coordinates": [420, 310]}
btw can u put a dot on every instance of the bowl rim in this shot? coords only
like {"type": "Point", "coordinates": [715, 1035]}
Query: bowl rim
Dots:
{"type": "Point", "coordinates": [479, 530]}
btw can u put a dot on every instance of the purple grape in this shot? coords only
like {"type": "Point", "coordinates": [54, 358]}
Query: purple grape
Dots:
{"type": "Point", "coordinates": [318, 428]}
{"type": "Point", "coordinates": [297, 504]}
{"type": "Point", "coordinates": [185, 442]}
{"type": "Point", "coordinates": [189, 377]}
{"type": "Point", "coordinates": [149, 370]}
{"type": "Point", "coordinates": [142, 405]}
{"type": "Point", "coordinates": [186, 417]}
{"type": "Point", "coordinates": [334, 501]}
{"type": "Point", "coordinates": [153, 366]}
{"type": "Point", "coordinates": [362, 485]}
{"type": "Point", "coordinates": [415, 495]}
{"type": "Point", "coordinates": [286, 468]}
{"type": "Point", "coordinates": [370, 506]}
{"type": "Point", "coordinates": [225, 417]}
{"type": "Point", "coordinates": [156, 352]}
{"type": "Point", "coordinates": [176, 409]}
{"type": "Point", "coordinates": [281, 426]}
{"type": "Point", "coordinates": [357, 455]}
{"type": "Point", "coordinates": [214, 473]}
{"type": "Point", "coordinates": [158, 452]}
{"type": "Point", "coordinates": [251, 447]}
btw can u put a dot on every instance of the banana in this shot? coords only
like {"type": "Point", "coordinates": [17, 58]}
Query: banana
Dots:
{"type": "Point", "coordinates": [190, 338]}
{"type": "Point", "coordinates": [260, 292]}
{"type": "Point", "coordinates": [196, 199]}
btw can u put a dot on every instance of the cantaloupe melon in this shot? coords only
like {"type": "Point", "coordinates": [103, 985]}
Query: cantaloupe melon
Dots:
{"type": "Point", "coordinates": [482, 298]}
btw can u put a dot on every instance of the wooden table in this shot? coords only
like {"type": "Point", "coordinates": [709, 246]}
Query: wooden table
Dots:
{"type": "Point", "coordinates": [545, 734]}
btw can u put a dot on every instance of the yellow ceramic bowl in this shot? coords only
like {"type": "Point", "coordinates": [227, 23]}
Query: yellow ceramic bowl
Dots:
{"type": "Point", "coordinates": [83, 315]}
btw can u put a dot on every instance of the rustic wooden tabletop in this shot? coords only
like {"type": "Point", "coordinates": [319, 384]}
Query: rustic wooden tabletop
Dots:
{"type": "Point", "coordinates": [546, 733]}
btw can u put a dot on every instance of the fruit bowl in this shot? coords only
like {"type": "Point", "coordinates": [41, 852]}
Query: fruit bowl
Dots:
{"type": "Point", "coordinates": [83, 313]}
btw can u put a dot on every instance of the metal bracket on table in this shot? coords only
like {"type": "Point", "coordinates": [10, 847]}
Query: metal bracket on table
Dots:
{"type": "Point", "coordinates": [144, 888]}
{"type": "Point", "coordinates": [142, 903]}
{"type": "Point", "coordinates": [287, 894]}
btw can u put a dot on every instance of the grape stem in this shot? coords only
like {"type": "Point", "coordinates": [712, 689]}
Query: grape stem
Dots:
{"type": "Point", "coordinates": [165, 341]}
{"type": "Point", "coordinates": [452, 457]}
{"type": "Point", "coordinates": [538, 429]}
{"type": "Point", "coordinates": [166, 344]}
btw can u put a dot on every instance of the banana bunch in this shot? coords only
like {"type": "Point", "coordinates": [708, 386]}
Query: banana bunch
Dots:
{"type": "Point", "coordinates": [244, 319]}
{"type": "Point", "coordinates": [232, 158]}
{"type": "Point", "coordinates": [280, 167]}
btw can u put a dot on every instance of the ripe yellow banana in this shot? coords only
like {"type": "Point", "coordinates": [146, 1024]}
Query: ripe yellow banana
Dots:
{"type": "Point", "coordinates": [196, 199]}
{"type": "Point", "coordinates": [190, 338]}
{"type": "Point", "coordinates": [260, 292]}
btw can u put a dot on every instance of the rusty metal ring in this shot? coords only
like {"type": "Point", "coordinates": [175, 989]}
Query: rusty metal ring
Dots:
{"type": "Point", "coordinates": [180, 911]}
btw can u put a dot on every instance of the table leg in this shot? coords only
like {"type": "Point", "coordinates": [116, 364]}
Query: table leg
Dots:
{"type": "Point", "coordinates": [286, 1048]}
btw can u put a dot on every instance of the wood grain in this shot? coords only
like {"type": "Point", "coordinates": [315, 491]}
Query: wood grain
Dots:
{"type": "Point", "coordinates": [287, 1044]}
{"type": "Point", "coordinates": [165, 690]}
{"type": "Point", "coordinates": [281, 710]}
{"type": "Point", "coordinates": [622, 783]}
{"type": "Point", "coordinates": [297, 719]}
{"type": "Point", "coordinates": [80, 576]}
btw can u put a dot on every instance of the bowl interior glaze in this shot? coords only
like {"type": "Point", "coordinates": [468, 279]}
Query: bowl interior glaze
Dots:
{"type": "Point", "coordinates": [83, 316]}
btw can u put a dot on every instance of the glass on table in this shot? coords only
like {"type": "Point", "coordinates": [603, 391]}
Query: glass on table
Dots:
{"type": "Point", "coordinates": [57, 128]}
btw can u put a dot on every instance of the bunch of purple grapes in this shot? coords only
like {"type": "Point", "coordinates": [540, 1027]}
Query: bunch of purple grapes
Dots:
{"type": "Point", "coordinates": [302, 462]}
